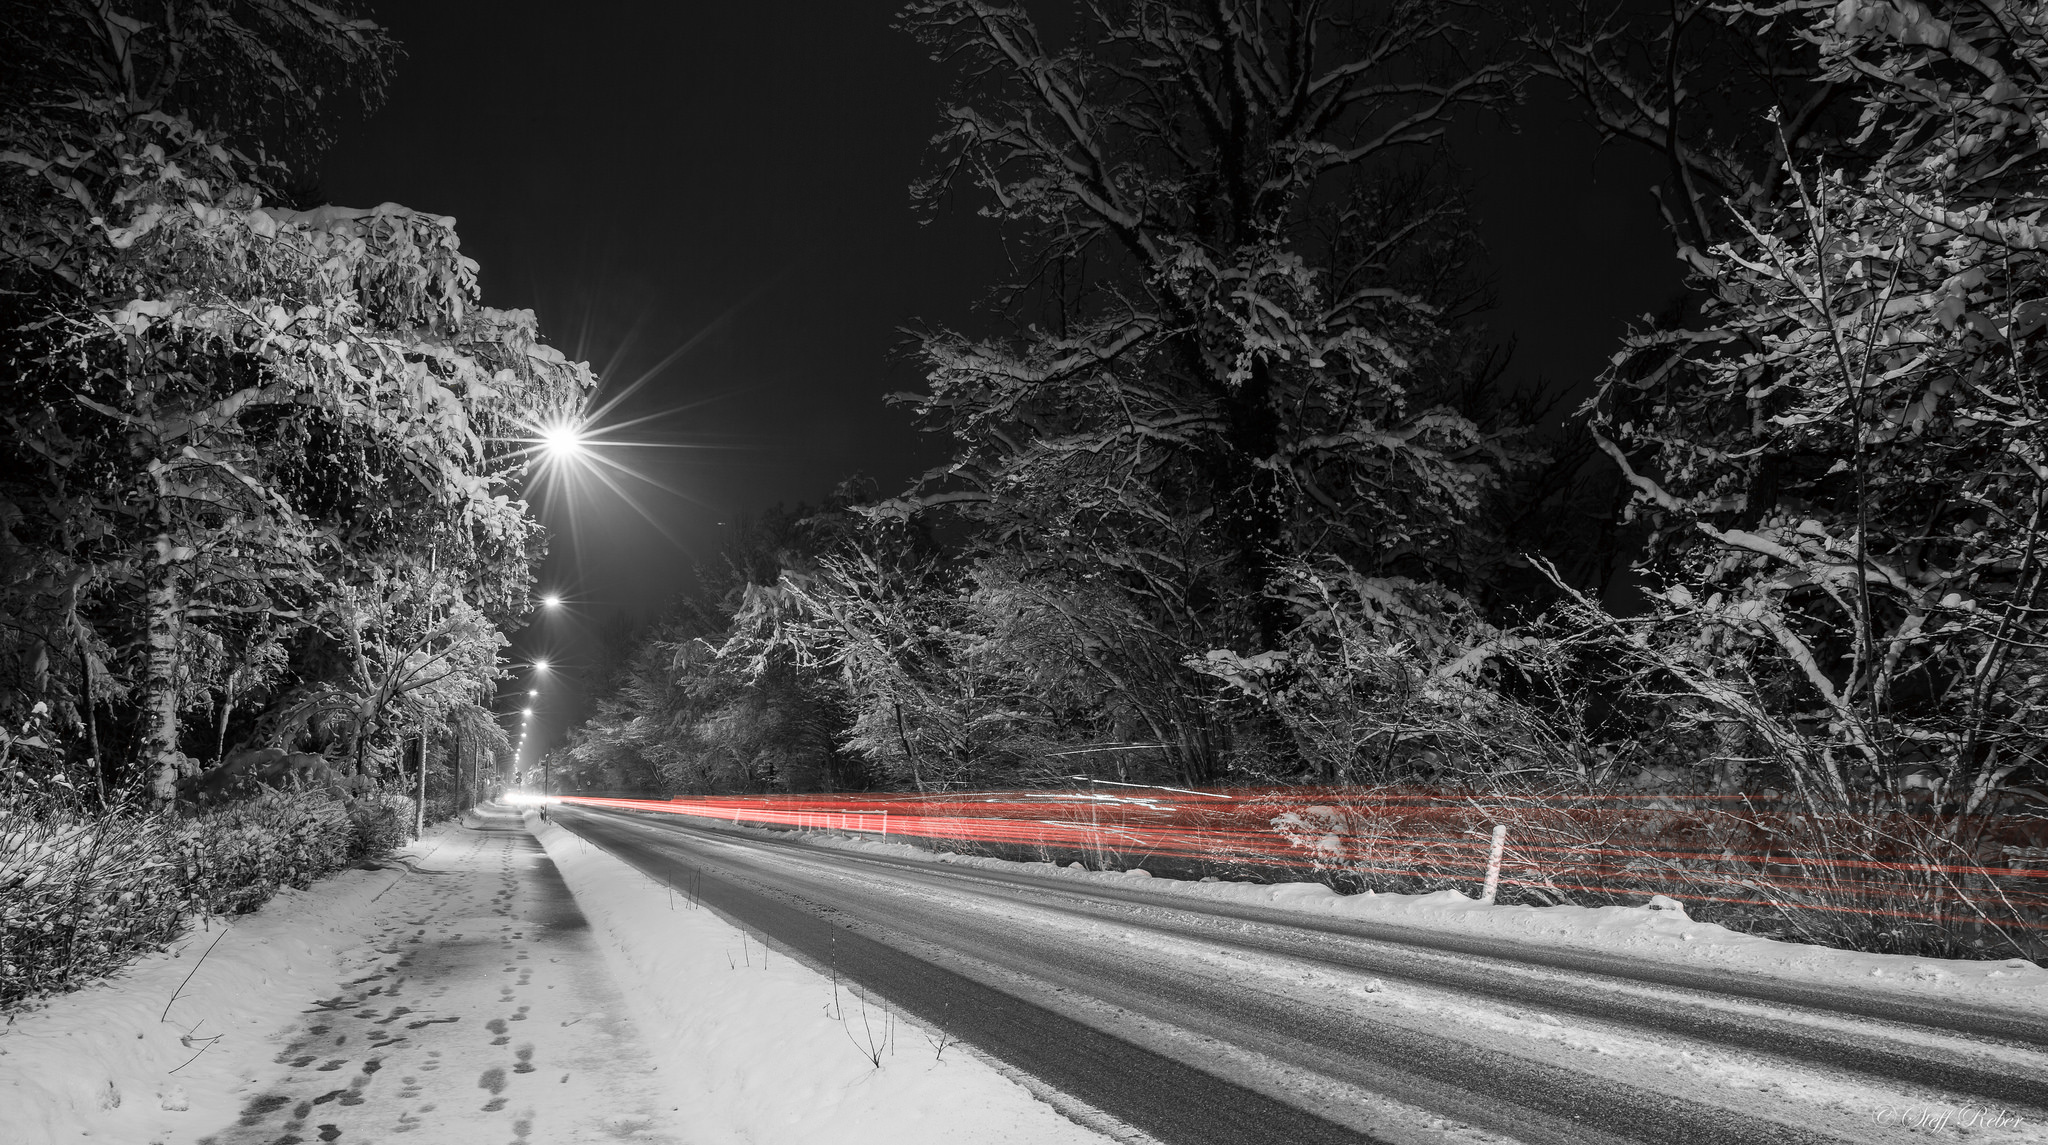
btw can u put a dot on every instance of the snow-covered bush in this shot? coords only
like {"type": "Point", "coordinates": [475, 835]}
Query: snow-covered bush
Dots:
{"type": "Point", "coordinates": [232, 861]}
{"type": "Point", "coordinates": [80, 897]}
{"type": "Point", "coordinates": [1886, 883]}
{"type": "Point", "coordinates": [379, 824]}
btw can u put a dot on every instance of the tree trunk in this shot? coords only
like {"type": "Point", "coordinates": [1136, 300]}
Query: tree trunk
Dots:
{"type": "Point", "coordinates": [909, 753]}
{"type": "Point", "coordinates": [92, 721]}
{"type": "Point", "coordinates": [160, 680]}
{"type": "Point", "coordinates": [419, 811]}
{"type": "Point", "coordinates": [227, 708]}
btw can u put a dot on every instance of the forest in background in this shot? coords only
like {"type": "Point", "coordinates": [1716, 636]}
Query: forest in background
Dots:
{"type": "Point", "coordinates": [1236, 496]}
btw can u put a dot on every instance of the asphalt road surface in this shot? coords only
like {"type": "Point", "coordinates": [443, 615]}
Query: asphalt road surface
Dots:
{"type": "Point", "coordinates": [1199, 1022]}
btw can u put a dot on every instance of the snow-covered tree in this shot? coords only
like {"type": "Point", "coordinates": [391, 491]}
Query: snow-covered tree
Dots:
{"type": "Point", "coordinates": [882, 620]}
{"type": "Point", "coordinates": [239, 413]}
{"type": "Point", "coordinates": [1232, 338]}
{"type": "Point", "coordinates": [1845, 464]}
{"type": "Point", "coordinates": [1242, 326]}
{"type": "Point", "coordinates": [672, 712]}
{"type": "Point", "coordinates": [418, 652]}
{"type": "Point", "coordinates": [1689, 81]}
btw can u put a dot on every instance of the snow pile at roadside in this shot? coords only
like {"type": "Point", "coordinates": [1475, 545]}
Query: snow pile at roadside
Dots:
{"type": "Point", "coordinates": [771, 1053]}
{"type": "Point", "coordinates": [1661, 933]}
{"type": "Point", "coordinates": [160, 1048]}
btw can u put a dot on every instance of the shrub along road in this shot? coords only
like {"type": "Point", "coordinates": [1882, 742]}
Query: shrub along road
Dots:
{"type": "Point", "coordinates": [1211, 1023]}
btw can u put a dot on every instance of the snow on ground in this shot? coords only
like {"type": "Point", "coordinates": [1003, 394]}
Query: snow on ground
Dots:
{"type": "Point", "coordinates": [745, 1042]}
{"type": "Point", "coordinates": [1784, 1089]}
{"type": "Point", "coordinates": [1644, 933]}
{"type": "Point", "coordinates": [758, 1047]}
{"type": "Point", "coordinates": [1821, 1100]}
{"type": "Point", "coordinates": [164, 1046]}
{"type": "Point", "coordinates": [774, 1053]}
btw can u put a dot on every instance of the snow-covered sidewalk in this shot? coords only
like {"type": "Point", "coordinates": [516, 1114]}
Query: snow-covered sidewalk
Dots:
{"type": "Point", "coordinates": [455, 996]}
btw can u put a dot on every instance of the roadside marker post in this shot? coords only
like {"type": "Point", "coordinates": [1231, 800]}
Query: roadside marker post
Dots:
{"type": "Point", "coordinates": [1500, 838]}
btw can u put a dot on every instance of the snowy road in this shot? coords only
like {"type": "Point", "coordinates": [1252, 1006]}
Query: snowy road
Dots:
{"type": "Point", "coordinates": [1221, 1023]}
{"type": "Point", "coordinates": [481, 1014]}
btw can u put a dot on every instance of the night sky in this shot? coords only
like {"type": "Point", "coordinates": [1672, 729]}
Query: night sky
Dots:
{"type": "Point", "coordinates": [732, 180]}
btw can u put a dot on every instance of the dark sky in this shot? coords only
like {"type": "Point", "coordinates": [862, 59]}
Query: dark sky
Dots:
{"type": "Point", "coordinates": [734, 177]}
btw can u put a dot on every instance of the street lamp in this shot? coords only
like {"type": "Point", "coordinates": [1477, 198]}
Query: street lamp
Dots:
{"type": "Point", "coordinates": [562, 442]}
{"type": "Point", "coordinates": [551, 600]}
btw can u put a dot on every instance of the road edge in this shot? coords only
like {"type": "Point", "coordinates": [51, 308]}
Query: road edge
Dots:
{"type": "Point", "coordinates": [982, 1100]}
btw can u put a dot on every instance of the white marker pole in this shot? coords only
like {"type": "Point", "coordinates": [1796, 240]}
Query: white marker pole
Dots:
{"type": "Point", "coordinates": [1500, 839]}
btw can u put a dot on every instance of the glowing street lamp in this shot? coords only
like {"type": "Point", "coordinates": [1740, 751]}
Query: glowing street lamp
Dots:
{"type": "Point", "coordinates": [540, 665]}
{"type": "Point", "coordinates": [562, 442]}
{"type": "Point", "coordinates": [551, 600]}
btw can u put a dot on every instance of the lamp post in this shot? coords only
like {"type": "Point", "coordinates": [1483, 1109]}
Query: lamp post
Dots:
{"type": "Point", "coordinates": [565, 446]}
{"type": "Point", "coordinates": [540, 664]}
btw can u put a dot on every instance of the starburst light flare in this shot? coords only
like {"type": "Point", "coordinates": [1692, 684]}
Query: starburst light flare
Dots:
{"type": "Point", "coordinates": [562, 442]}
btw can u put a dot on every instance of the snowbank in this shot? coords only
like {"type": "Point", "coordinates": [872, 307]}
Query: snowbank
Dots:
{"type": "Point", "coordinates": [160, 1048]}
{"type": "Point", "coordinates": [756, 1031]}
{"type": "Point", "coordinates": [1659, 933]}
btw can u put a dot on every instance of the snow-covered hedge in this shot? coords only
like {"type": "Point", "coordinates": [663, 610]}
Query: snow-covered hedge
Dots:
{"type": "Point", "coordinates": [80, 897]}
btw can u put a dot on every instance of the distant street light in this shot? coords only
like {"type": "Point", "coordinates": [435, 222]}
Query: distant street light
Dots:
{"type": "Point", "coordinates": [533, 691]}
{"type": "Point", "coordinates": [551, 601]}
{"type": "Point", "coordinates": [540, 665]}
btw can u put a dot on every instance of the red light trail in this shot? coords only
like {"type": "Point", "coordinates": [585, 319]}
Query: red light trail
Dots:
{"type": "Point", "coordinates": [1697, 848]}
